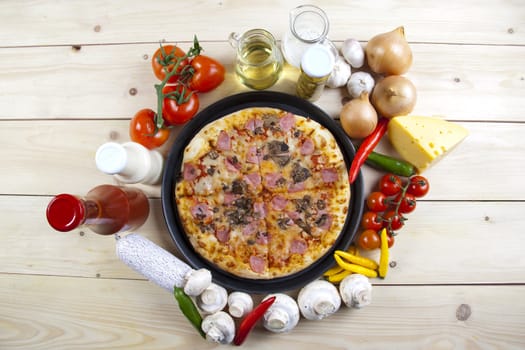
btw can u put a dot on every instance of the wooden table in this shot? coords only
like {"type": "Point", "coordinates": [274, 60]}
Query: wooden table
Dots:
{"type": "Point", "coordinates": [72, 74]}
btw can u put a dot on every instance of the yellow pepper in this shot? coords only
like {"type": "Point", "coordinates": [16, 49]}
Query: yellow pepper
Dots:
{"type": "Point", "coordinates": [333, 271]}
{"type": "Point", "coordinates": [353, 250]}
{"type": "Point", "coordinates": [338, 277]}
{"type": "Point", "coordinates": [355, 268]}
{"type": "Point", "coordinates": [383, 259]}
{"type": "Point", "coordinates": [359, 260]}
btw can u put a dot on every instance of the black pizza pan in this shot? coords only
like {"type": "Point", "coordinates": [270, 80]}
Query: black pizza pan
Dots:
{"type": "Point", "coordinates": [172, 172]}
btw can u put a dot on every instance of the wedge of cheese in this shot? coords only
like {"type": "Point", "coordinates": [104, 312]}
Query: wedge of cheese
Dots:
{"type": "Point", "coordinates": [423, 141]}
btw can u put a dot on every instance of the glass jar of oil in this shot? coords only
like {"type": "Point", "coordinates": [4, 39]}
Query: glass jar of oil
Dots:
{"type": "Point", "coordinates": [259, 62]}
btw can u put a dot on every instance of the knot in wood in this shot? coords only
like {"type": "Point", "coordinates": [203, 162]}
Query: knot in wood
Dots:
{"type": "Point", "coordinates": [463, 312]}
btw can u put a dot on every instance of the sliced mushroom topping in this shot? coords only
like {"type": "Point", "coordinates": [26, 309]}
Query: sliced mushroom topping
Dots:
{"type": "Point", "coordinates": [303, 225]}
{"type": "Point", "coordinates": [277, 147]}
{"type": "Point", "coordinates": [300, 174]}
{"type": "Point", "coordinates": [239, 187]}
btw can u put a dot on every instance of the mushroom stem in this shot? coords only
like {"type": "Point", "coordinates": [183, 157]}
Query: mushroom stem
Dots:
{"type": "Point", "coordinates": [283, 315]}
{"type": "Point", "coordinates": [219, 327]}
{"type": "Point", "coordinates": [277, 319]}
{"type": "Point", "coordinates": [239, 304]}
{"type": "Point", "coordinates": [325, 307]}
{"type": "Point", "coordinates": [212, 299]}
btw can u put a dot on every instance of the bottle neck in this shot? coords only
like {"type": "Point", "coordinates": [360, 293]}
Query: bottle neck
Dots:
{"type": "Point", "coordinates": [91, 211]}
{"type": "Point", "coordinates": [66, 212]}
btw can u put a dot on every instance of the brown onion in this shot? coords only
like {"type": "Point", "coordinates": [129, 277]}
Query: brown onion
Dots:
{"type": "Point", "coordinates": [394, 95]}
{"type": "Point", "coordinates": [389, 53]}
{"type": "Point", "coordinates": [358, 117]}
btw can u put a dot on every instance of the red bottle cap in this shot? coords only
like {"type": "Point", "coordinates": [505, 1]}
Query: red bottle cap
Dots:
{"type": "Point", "coordinates": [65, 212]}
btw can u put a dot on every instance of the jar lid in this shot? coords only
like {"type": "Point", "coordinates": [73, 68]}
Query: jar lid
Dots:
{"type": "Point", "coordinates": [317, 61]}
{"type": "Point", "coordinates": [111, 158]}
{"type": "Point", "coordinates": [65, 212]}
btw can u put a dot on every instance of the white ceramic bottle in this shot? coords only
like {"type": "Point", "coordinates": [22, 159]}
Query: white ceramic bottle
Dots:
{"type": "Point", "coordinates": [130, 162]}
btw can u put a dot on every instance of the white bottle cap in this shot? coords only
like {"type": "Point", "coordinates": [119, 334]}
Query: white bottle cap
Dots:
{"type": "Point", "coordinates": [111, 158]}
{"type": "Point", "coordinates": [317, 61]}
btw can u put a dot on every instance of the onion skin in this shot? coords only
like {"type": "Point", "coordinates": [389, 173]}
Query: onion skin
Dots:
{"type": "Point", "coordinates": [358, 117]}
{"type": "Point", "coordinates": [389, 53]}
{"type": "Point", "coordinates": [393, 96]}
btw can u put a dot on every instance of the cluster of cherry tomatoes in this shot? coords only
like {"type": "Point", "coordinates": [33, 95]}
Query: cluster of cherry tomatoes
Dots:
{"type": "Point", "coordinates": [182, 75]}
{"type": "Point", "coordinates": [387, 207]}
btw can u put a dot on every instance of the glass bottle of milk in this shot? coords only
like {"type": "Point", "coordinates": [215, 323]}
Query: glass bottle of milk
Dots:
{"type": "Point", "coordinates": [308, 26]}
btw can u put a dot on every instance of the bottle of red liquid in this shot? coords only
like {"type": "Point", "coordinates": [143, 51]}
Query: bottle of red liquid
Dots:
{"type": "Point", "coordinates": [106, 209]}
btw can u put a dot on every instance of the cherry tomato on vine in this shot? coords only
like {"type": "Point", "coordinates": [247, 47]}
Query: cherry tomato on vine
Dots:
{"type": "Point", "coordinates": [182, 107]}
{"type": "Point", "coordinates": [392, 220]}
{"type": "Point", "coordinates": [371, 221]}
{"type": "Point", "coordinates": [369, 239]}
{"type": "Point", "coordinates": [408, 203]}
{"type": "Point", "coordinates": [208, 73]}
{"type": "Point", "coordinates": [376, 201]}
{"type": "Point", "coordinates": [390, 184]}
{"type": "Point", "coordinates": [142, 130]}
{"type": "Point", "coordinates": [418, 186]}
{"type": "Point", "coordinates": [164, 60]}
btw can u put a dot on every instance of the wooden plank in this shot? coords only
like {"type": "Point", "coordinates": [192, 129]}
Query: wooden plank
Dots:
{"type": "Point", "coordinates": [466, 83]}
{"type": "Point", "coordinates": [50, 157]}
{"type": "Point", "coordinates": [442, 242]}
{"type": "Point", "coordinates": [76, 313]}
{"type": "Point", "coordinates": [57, 22]}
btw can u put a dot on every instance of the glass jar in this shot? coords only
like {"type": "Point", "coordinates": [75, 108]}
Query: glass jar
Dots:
{"type": "Point", "coordinates": [258, 63]}
{"type": "Point", "coordinates": [317, 64]}
{"type": "Point", "coordinates": [308, 26]}
{"type": "Point", "coordinates": [106, 209]}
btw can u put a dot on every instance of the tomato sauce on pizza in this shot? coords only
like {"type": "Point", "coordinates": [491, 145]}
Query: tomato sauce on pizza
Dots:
{"type": "Point", "coordinates": [263, 193]}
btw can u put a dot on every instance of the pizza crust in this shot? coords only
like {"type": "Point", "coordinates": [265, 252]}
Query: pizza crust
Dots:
{"type": "Point", "coordinates": [263, 193]}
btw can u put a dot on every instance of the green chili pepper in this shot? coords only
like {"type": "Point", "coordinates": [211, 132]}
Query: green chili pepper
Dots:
{"type": "Point", "coordinates": [390, 164]}
{"type": "Point", "coordinates": [189, 309]}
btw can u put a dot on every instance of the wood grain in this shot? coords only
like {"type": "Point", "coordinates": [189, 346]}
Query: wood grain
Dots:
{"type": "Point", "coordinates": [34, 154]}
{"type": "Point", "coordinates": [457, 82]}
{"type": "Point", "coordinates": [436, 246]}
{"type": "Point", "coordinates": [48, 312]}
{"type": "Point", "coordinates": [73, 73]}
{"type": "Point", "coordinates": [29, 23]}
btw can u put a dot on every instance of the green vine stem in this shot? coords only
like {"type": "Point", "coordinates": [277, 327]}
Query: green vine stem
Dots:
{"type": "Point", "coordinates": [186, 74]}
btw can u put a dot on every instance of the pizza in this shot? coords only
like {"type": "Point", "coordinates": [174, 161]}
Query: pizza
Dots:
{"type": "Point", "coordinates": [262, 193]}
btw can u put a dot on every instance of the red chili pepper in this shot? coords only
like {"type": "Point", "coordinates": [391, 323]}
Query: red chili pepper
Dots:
{"type": "Point", "coordinates": [367, 146]}
{"type": "Point", "coordinates": [251, 319]}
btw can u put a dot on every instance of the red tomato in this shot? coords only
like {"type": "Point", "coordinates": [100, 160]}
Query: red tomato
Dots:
{"type": "Point", "coordinates": [182, 107]}
{"type": "Point", "coordinates": [208, 74]}
{"type": "Point", "coordinates": [369, 239]}
{"type": "Point", "coordinates": [408, 203]}
{"type": "Point", "coordinates": [376, 201]}
{"type": "Point", "coordinates": [390, 184]}
{"type": "Point", "coordinates": [164, 60]}
{"type": "Point", "coordinates": [142, 130]}
{"type": "Point", "coordinates": [418, 186]}
{"type": "Point", "coordinates": [371, 221]}
{"type": "Point", "coordinates": [392, 221]}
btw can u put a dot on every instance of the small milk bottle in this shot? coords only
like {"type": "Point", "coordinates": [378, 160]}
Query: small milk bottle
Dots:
{"type": "Point", "coordinates": [130, 162]}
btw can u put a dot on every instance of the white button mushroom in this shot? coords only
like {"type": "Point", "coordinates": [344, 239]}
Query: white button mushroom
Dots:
{"type": "Point", "coordinates": [212, 299]}
{"type": "Point", "coordinates": [197, 281]}
{"type": "Point", "coordinates": [219, 327]}
{"type": "Point", "coordinates": [356, 290]}
{"type": "Point", "coordinates": [283, 315]}
{"type": "Point", "coordinates": [239, 304]}
{"type": "Point", "coordinates": [318, 299]}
